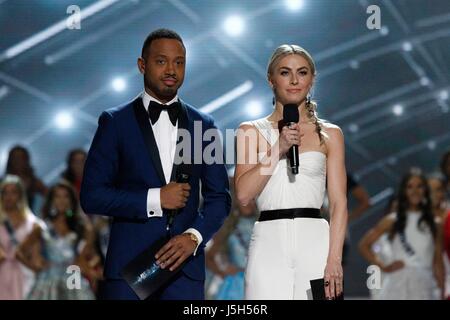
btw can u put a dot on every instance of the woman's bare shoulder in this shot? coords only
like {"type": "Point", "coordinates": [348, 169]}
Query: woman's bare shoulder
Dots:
{"type": "Point", "coordinates": [333, 134]}
{"type": "Point", "coordinates": [331, 127]}
{"type": "Point", "coordinates": [246, 125]}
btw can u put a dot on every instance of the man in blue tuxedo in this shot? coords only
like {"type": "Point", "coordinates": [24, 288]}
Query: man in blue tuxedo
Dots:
{"type": "Point", "coordinates": [130, 176]}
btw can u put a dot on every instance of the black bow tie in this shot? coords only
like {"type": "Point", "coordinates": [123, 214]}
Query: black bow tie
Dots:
{"type": "Point", "coordinates": [155, 108]}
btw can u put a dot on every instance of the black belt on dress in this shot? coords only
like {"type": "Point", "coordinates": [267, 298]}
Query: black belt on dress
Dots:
{"type": "Point", "coordinates": [290, 214]}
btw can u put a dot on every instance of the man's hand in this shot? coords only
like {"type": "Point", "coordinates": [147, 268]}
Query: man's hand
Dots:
{"type": "Point", "coordinates": [174, 252]}
{"type": "Point", "coordinates": [174, 195]}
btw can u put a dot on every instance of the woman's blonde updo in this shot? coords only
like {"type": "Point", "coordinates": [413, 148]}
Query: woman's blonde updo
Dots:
{"type": "Point", "coordinates": [311, 106]}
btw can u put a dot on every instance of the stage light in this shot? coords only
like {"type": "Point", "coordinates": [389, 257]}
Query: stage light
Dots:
{"type": "Point", "coordinates": [294, 5]}
{"type": "Point", "coordinates": [354, 64]}
{"type": "Point", "coordinates": [431, 144]}
{"type": "Point", "coordinates": [443, 95]}
{"type": "Point", "coordinates": [234, 25]}
{"type": "Point", "coordinates": [397, 110]}
{"type": "Point", "coordinates": [64, 120]}
{"type": "Point", "coordinates": [407, 46]}
{"type": "Point", "coordinates": [384, 31]}
{"type": "Point", "coordinates": [392, 161]}
{"type": "Point", "coordinates": [353, 128]}
{"type": "Point", "coordinates": [119, 84]}
{"type": "Point", "coordinates": [254, 108]}
{"type": "Point", "coordinates": [424, 81]}
{"type": "Point", "coordinates": [4, 90]}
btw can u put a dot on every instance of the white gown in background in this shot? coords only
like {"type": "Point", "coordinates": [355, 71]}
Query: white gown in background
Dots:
{"type": "Point", "coordinates": [415, 281]}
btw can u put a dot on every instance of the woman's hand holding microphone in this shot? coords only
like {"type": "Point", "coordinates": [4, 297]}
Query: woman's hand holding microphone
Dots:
{"type": "Point", "coordinates": [289, 136]}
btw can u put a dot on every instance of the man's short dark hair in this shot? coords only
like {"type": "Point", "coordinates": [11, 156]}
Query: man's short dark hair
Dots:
{"type": "Point", "coordinates": [159, 34]}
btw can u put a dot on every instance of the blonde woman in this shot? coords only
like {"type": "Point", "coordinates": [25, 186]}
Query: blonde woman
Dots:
{"type": "Point", "coordinates": [16, 223]}
{"type": "Point", "coordinates": [291, 243]}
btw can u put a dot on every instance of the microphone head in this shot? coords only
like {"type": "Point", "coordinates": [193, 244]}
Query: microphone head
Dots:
{"type": "Point", "coordinates": [290, 113]}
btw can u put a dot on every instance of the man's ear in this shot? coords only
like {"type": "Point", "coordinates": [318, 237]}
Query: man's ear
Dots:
{"type": "Point", "coordinates": [141, 65]}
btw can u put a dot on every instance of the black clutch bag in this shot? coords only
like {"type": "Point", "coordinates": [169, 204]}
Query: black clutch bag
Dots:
{"type": "Point", "coordinates": [142, 273]}
{"type": "Point", "coordinates": [318, 290]}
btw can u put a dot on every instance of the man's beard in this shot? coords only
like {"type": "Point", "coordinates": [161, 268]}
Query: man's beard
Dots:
{"type": "Point", "coordinates": [166, 92]}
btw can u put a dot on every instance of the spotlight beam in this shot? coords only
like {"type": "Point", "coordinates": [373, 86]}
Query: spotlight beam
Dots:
{"type": "Point", "coordinates": [227, 97]}
{"type": "Point", "coordinates": [52, 30]}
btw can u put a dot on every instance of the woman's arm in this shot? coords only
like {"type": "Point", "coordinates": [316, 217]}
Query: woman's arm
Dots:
{"type": "Point", "coordinates": [438, 261]}
{"type": "Point", "coordinates": [337, 195]}
{"type": "Point", "coordinates": [446, 235]}
{"type": "Point", "coordinates": [26, 251]}
{"type": "Point", "coordinates": [363, 200]}
{"type": "Point", "coordinates": [213, 251]}
{"type": "Point", "coordinates": [248, 210]}
{"type": "Point", "coordinates": [88, 261]}
{"type": "Point", "coordinates": [2, 254]}
{"type": "Point", "coordinates": [367, 241]}
{"type": "Point", "coordinates": [249, 182]}
{"type": "Point", "coordinates": [337, 192]}
{"type": "Point", "coordinates": [40, 187]}
{"type": "Point", "coordinates": [252, 175]}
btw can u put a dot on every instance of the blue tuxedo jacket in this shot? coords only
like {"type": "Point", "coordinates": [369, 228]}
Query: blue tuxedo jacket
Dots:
{"type": "Point", "coordinates": [123, 163]}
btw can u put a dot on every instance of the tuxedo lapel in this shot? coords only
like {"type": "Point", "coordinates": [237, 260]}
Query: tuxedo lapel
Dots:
{"type": "Point", "coordinates": [183, 123]}
{"type": "Point", "coordinates": [149, 138]}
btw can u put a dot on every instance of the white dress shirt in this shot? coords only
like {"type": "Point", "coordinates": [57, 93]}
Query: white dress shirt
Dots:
{"type": "Point", "coordinates": [166, 139]}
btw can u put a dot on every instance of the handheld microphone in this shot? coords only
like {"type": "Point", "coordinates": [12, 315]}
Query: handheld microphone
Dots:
{"type": "Point", "coordinates": [183, 175]}
{"type": "Point", "coordinates": [291, 116]}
